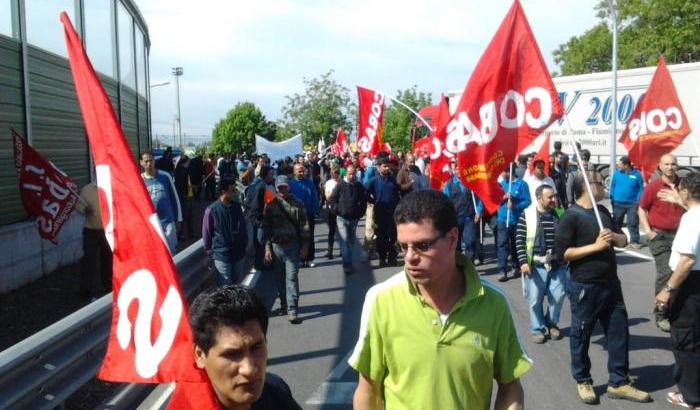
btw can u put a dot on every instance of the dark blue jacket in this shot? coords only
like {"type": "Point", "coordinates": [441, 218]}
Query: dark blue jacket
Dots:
{"type": "Point", "coordinates": [383, 192]}
{"type": "Point", "coordinates": [305, 191]}
{"type": "Point", "coordinates": [224, 232]}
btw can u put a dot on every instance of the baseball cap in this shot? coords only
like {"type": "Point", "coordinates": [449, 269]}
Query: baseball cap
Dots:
{"type": "Point", "coordinates": [281, 180]}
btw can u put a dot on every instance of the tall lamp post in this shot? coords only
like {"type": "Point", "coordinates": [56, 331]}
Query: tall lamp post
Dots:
{"type": "Point", "coordinates": [177, 72]}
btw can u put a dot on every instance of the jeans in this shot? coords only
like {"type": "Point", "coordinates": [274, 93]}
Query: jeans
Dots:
{"type": "Point", "coordinates": [660, 249]}
{"type": "Point", "coordinates": [347, 238]}
{"type": "Point", "coordinates": [332, 230]}
{"type": "Point", "coordinates": [470, 238]}
{"type": "Point", "coordinates": [259, 248]}
{"type": "Point", "coordinates": [285, 260]}
{"type": "Point", "coordinates": [228, 272]}
{"type": "Point", "coordinates": [538, 284]}
{"type": "Point", "coordinates": [619, 212]}
{"type": "Point", "coordinates": [590, 303]}
{"type": "Point", "coordinates": [386, 234]}
{"type": "Point", "coordinates": [505, 245]}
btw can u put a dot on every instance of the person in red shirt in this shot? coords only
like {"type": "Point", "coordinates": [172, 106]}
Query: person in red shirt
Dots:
{"type": "Point", "coordinates": [660, 211]}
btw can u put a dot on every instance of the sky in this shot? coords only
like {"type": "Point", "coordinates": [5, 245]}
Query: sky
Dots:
{"type": "Point", "coordinates": [260, 51]}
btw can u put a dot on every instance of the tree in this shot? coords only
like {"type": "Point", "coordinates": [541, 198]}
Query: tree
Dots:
{"type": "Point", "coordinates": [236, 132]}
{"type": "Point", "coordinates": [324, 106]}
{"type": "Point", "coordinates": [647, 29]}
{"type": "Point", "coordinates": [398, 121]}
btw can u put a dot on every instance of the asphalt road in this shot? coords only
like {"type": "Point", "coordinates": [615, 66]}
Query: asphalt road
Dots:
{"type": "Point", "coordinates": [312, 356]}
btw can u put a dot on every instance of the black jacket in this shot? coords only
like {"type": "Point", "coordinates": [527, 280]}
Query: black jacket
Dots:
{"type": "Point", "coordinates": [349, 200]}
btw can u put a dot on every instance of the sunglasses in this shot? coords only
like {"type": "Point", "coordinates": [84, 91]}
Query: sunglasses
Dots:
{"type": "Point", "coordinates": [420, 247]}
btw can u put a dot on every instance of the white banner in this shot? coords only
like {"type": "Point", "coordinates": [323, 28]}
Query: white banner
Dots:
{"type": "Point", "coordinates": [279, 150]}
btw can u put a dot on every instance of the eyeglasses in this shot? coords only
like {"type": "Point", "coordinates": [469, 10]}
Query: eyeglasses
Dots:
{"type": "Point", "coordinates": [420, 247]}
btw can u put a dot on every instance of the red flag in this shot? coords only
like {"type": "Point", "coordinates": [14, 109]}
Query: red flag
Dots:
{"type": "Point", "coordinates": [199, 396]}
{"type": "Point", "coordinates": [430, 113]}
{"type": "Point", "coordinates": [509, 100]}
{"type": "Point", "coordinates": [657, 125]}
{"type": "Point", "coordinates": [150, 339]}
{"type": "Point", "coordinates": [47, 193]}
{"type": "Point", "coordinates": [440, 158]}
{"type": "Point", "coordinates": [341, 143]}
{"type": "Point", "coordinates": [542, 155]}
{"type": "Point", "coordinates": [370, 116]}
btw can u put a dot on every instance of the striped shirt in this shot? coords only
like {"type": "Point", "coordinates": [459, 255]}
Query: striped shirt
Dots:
{"type": "Point", "coordinates": [545, 222]}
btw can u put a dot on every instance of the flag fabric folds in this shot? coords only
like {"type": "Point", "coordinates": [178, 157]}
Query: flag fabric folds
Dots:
{"type": "Point", "coordinates": [508, 101]}
{"type": "Point", "coordinates": [341, 143]}
{"type": "Point", "coordinates": [657, 125]}
{"type": "Point", "coordinates": [46, 192]}
{"type": "Point", "coordinates": [150, 338]}
{"type": "Point", "coordinates": [370, 116]}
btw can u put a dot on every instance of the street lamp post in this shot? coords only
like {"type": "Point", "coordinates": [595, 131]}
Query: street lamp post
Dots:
{"type": "Point", "coordinates": [177, 72]}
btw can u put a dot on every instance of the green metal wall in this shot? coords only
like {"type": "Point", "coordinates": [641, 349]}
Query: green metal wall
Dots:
{"type": "Point", "coordinates": [57, 124]}
{"type": "Point", "coordinates": [11, 116]}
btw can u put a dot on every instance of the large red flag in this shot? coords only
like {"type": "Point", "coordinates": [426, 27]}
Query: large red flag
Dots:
{"type": "Point", "coordinates": [440, 158]}
{"type": "Point", "coordinates": [657, 125]}
{"type": "Point", "coordinates": [509, 100]}
{"type": "Point", "coordinates": [150, 339]}
{"type": "Point", "coordinates": [370, 116]}
{"type": "Point", "coordinates": [47, 193]}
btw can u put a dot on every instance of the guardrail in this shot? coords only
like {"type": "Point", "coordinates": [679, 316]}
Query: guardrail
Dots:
{"type": "Point", "coordinates": [43, 370]}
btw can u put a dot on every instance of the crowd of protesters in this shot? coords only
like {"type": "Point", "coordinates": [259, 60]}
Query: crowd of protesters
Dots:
{"type": "Point", "coordinates": [546, 230]}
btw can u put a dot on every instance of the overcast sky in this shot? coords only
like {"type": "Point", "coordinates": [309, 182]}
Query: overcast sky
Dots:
{"type": "Point", "coordinates": [261, 50]}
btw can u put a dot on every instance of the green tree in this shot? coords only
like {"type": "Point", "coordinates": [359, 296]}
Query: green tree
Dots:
{"type": "Point", "coordinates": [324, 106]}
{"type": "Point", "coordinates": [236, 132]}
{"type": "Point", "coordinates": [647, 29]}
{"type": "Point", "coordinates": [398, 121]}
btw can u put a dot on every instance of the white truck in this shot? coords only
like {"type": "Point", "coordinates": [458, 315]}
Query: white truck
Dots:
{"type": "Point", "coordinates": [587, 101]}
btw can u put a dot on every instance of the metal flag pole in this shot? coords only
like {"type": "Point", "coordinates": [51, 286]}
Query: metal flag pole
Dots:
{"type": "Point", "coordinates": [481, 232]}
{"type": "Point", "coordinates": [411, 110]}
{"type": "Point", "coordinates": [613, 131]}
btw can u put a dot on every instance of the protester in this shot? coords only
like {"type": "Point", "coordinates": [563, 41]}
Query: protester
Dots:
{"type": "Point", "coordinates": [383, 192]}
{"type": "Point", "coordinates": [425, 332]}
{"type": "Point", "coordinates": [303, 189]}
{"type": "Point", "coordinates": [166, 163]}
{"type": "Point", "coordinates": [560, 173]}
{"type": "Point", "coordinates": [403, 177]}
{"type": "Point", "coordinates": [229, 326]}
{"type": "Point", "coordinates": [209, 178]}
{"type": "Point", "coordinates": [544, 274]}
{"type": "Point", "coordinates": [659, 216]}
{"type": "Point", "coordinates": [681, 297]}
{"type": "Point", "coordinates": [586, 160]}
{"type": "Point", "coordinates": [256, 197]}
{"type": "Point", "coordinates": [161, 189]}
{"type": "Point", "coordinates": [520, 169]}
{"type": "Point", "coordinates": [349, 200]}
{"type": "Point", "coordinates": [595, 293]}
{"type": "Point", "coordinates": [625, 191]}
{"type": "Point", "coordinates": [332, 216]}
{"type": "Point", "coordinates": [184, 194]}
{"type": "Point", "coordinates": [537, 179]}
{"type": "Point", "coordinates": [96, 265]}
{"type": "Point", "coordinates": [225, 235]}
{"type": "Point", "coordinates": [196, 169]}
{"type": "Point", "coordinates": [469, 209]}
{"type": "Point", "coordinates": [515, 199]}
{"type": "Point", "coordinates": [287, 238]}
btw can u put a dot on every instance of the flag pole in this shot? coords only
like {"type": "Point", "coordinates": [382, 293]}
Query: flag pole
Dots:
{"type": "Point", "coordinates": [510, 201]}
{"type": "Point", "coordinates": [481, 233]}
{"type": "Point", "coordinates": [411, 110]}
{"type": "Point", "coordinates": [572, 141]}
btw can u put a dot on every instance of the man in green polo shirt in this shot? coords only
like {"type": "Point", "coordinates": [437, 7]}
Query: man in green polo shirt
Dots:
{"type": "Point", "coordinates": [435, 336]}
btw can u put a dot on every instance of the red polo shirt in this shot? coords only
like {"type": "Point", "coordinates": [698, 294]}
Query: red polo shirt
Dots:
{"type": "Point", "coordinates": [661, 214]}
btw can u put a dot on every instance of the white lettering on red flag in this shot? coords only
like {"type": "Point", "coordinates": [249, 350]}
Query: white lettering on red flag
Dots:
{"type": "Point", "coordinates": [509, 100]}
{"type": "Point", "coordinates": [150, 339]}
{"type": "Point", "coordinates": [370, 117]}
{"type": "Point", "coordinates": [657, 125]}
{"type": "Point", "coordinates": [46, 192]}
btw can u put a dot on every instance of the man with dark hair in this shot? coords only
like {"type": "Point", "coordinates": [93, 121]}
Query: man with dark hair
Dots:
{"type": "Point", "coordinates": [161, 189]}
{"type": "Point", "coordinates": [229, 327]}
{"type": "Point", "coordinates": [435, 336]}
{"type": "Point", "coordinates": [626, 189]}
{"type": "Point", "coordinates": [166, 163]}
{"type": "Point", "coordinates": [515, 199]}
{"type": "Point", "coordinates": [225, 234]}
{"type": "Point", "coordinates": [256, 197]}
{"type": "Point", "coordinates": [544, 274]}
{"type": "Point", "coordinates": [586, 161]}
{"type": "Point", "coordinates": [595, 293]}
{"type": "Point", "coordinates": [559, 174]}
{"type": "Point", "coordinates": [349, 202]}
{"type": "Point", "coordinates": [303, 188]}
{"type": "Point", "coordinates": [469, 209]}
{"type": "Point", "coordinates": [383, 192]}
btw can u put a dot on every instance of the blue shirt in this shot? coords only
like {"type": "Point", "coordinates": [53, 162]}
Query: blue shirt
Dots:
{"type": "Point", "coordinates": [224, 231]}
{"type": "Point", "coordinates": [461, 198]}
{"type": "Point", "coordinates": [384, 191]}
{"type": "Point", "coordinates": [626, 187]}
{"type": "Point", "coordinates": [161, 189]}
{"type": "Point", "coordinates": [520, 194]}
{"type": "Point", "coordinates": [305, 191]}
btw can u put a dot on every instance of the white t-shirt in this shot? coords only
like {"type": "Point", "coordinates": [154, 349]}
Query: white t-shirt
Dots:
{"type": "Point", "coordinates": [533, 182]}
{"type": "Point", "coordinates": [329, 186]}
{"type": "Point", "coordinates": [687, 239]}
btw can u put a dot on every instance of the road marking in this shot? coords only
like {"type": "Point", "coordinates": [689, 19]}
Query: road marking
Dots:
{"type": "Point", "coordinates": [333, 390]}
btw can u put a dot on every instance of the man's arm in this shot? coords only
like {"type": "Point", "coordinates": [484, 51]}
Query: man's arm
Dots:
{"type": "Point", "coordinates": [367, 395]}
{"type": "Point", "coordinates": [644, 223]}
{"type": "Point", "coordinates": [605, 237]}
{"type": "Point", "coordinates": [510, 396]}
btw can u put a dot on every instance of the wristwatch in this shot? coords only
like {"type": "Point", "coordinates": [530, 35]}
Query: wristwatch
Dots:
{"type": "Point", "coordinates": [668, 288]}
